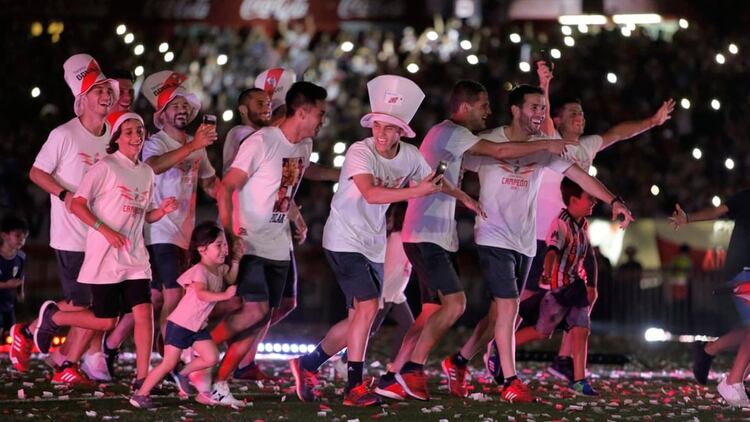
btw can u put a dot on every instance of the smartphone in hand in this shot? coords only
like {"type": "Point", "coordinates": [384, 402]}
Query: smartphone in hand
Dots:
{"type": "Point", "coordinates": [441, 168]}
{"type": "Point", "coordinates": [209, 119]}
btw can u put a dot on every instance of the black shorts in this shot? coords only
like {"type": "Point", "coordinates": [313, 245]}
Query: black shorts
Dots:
{"type": "Point", "coordinates": [358, 277]}
{"type": "Point", "coordinates": [262, 280]}
{"type": "Point", "coordinates": [182, 338]}
{"type": "Point", "coordinates": [537, 267]}
{"type": "Point", "coordinates": [7, 319]}
{"type": "Point", "coordinates": [113, 300]}
{"type": "Point", "coordinates": [504, 271]}
{"type": "Point", "coordinates": [591, 267]}
{"type": "Point", "coordinates": [436, 269]}
{"type": "Point", "coordinates": [168, 262]}
{"type": "Point", "coordinates": [290, 288]}
{"type": "Point", "coordinates": [68, 266]}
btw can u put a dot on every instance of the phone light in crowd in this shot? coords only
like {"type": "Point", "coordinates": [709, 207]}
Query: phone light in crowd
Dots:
{"type": "Point", "coordinates": [733, 48]}
{"type": "Point", "coordinates": [555, 53]}
{"type": "Point", "coordinates": [683, 23]}
{"type": "Point", "coordinates": [129, 38]}
{"type": "Point", "coordinates": [716, 201]}
{"type": "Point", "coordinates": [335, 187]}
{"type": "Point", "coordinates": [314, 157]}
{"type": "Point", "coordinates": [221, 59]}
{"type": "Point", "coordinates": [227, 115]}
{"type": "Point", "coordinates": [625, 31]}
{"type": "Point", "coordinates": [720, 59]}
{"type": "Point", "coordinates": [729, 164]}
{"type": "Point", "coordinates": [138, 50]}
{"type": "Point", "coordinates": [138, 71]}
{"type": "Point", "coordinates": [432, 35]}
{"type": "Point", "coordinates": [569, 41]}
{"type": "Point", "coordinates": [412, 68]}
{"type": "Point", "coordinates": [35, 92]}
{"type": "Point", "coordinates": [656, 334]}
{"type": "Point", "coordinates": [611, 78]}
{"type": "Point", "coordinates": [593, 171]}
{"type": "Point", "coordinates": [637, 19]}
{"type": "Point", "coordinates": [168, 56]}
{"type": "Point", "coordinates": [465, 44]}
{"type": "Point", "coordinates": [655, 190]}
{"type": "Point", "coordinates": [121, 29]}
{"type": "Point", "coordinates": [697, 153]}
{"type": "Point", "coordinates": [347, 46]}
{"type": "Point", "coordinates": [583, 28]}
{"type": "Point", "coordinates": [163, 47]}
{"type": "Point", "coordinates": [338, 161]}
{"type": "Point", "coordinates": [339, 147]}
{"type": "Point", "coordinates": [566, 30]}
{"type": "Point", "coordinates": [685, 103]}
{"type": "Point", "coordinates": [514, 38]}
{"type": "Point", "coordinates": [715, 104]}
{"type": "Point", "coordinates": [472, 59]}
{"type": "Point", "coordinates": [524, 66]}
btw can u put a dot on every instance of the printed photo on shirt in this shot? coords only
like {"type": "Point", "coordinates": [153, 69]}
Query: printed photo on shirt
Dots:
{"type": "Point", "coordinates": [291, 174]}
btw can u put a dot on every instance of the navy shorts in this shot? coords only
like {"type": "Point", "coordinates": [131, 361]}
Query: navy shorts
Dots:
{"type": "Point", "coordinates": [436, 269]}
{"type": "Point", "coordinates": [113, 300]}
{"type": "Point", "coordinates": [182, 338]}
{"type": "Point", "coordinates": [68, 266]}
{"type": "Point", "coordinates": [262, 280]}
{"type": "Point", "coordinates": [290, 288]}
{"type": "Point", "coordinates": [358, 277]}
{"type": "Point", "coordinates": [168, 262]}
{"type": "Point", "coordinates": [504, 271]}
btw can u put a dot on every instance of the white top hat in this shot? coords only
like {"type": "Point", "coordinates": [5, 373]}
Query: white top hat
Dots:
{"type": "Point", "coordinates": [276, 82]}
{"type": "Point", "coordinates": [81, 73]}
{"type": "Point", "coordinates": [117, 118]}
{"type": "Point", "coordinates": [162, 87]}
{"type": "Point", "coordinates": [393, 100]}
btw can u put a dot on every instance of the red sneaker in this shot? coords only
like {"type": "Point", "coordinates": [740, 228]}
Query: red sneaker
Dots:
{"type": "Point", "coordinates": [518, 392]}
{"type": "Point", "coordinates": [305, 381]}
{"type": "Point", "coordinates": [390, 389]}
{"type": "Point", "coordinates": [415, 384]}
{"type": "Point", "coordinates": [456, 378]}
{"type": "Point", "coordinates": [71, 375]}
{"type": "Point", "coordinates": [20, 349]}
{"type": "Point", "coordinates": [361, 396]}
{"type": "Point", "coordinates": [251, 372]}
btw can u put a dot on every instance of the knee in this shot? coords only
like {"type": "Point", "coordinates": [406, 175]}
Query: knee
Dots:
{"type": "Point", "coordinates": [213, 358]}
{"type": "Point", "coordinates": [455, 307]}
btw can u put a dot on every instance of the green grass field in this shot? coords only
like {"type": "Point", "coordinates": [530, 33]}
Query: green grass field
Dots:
{"type": "Point", "coordinates": [655, 385]}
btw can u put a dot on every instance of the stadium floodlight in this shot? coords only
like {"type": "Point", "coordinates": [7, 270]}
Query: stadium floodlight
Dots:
{"type": "Point", "coordinates": [569, 41]}
{"type": "Point", "coordinates": [685, 103]}
{"type": "Point", "coordinates": [138, 71]}
{"type": "Point", "coordinates": [35, 92]}
{"type": "Point", "coordinates": [683, 23]}
{"type": "Point", "coordinates": [697, 153]}
{"type": "Point", "coordinates": [582, 20]}
{"type": "Point", "coordinates": [524, 66]}
{"type": "Point", "coordinates": [555, 53]}
{"type": "Point", "coordinates": [163, 47]}
{"type": "Point", "coordinates": [637, 19]}
{"type": "Point", "coordinates": [515, 38]}
{"type": "Point", "coordinates": [733, 48]}
{"type": "Point", "coordinates": [121, 29]}
{"type": "Point", "coordinates": [656, 334]}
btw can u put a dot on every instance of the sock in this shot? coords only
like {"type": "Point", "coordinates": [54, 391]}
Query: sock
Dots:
{"type": "Point", "coordinates": [354, 374]}
{"type": "Point", "coordinates": [388, 376]}
{"type": "Point", "coordinates": [412, 367]}
{"type": "Point", "coordinates": [26, 333]}
{"type": "Point", "coordinates": [313, 360]}
{"type": "Point", "coordinates": [499, 380]}
{"type": "Point", "coordinates": [580, 380]}
{"type": "Point", "coordinates": [459, 360]}
{"type": "Point", "coordinates": [509, 380]}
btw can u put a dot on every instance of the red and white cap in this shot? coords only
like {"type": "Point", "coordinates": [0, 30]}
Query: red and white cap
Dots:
{"type": "Point", "coordinates": [81, 73]}
{"type": "Point", "coordinates": [276, 82]}
{"type": "Point", "coordinates": [162, 87]}
{"type": "Point", "coordinates": [117, 118]}
{"type": "Point", "coordinates": [393, 100]}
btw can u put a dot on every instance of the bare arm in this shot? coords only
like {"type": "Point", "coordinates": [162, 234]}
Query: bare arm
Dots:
{"type": "Point", "coordinates": [463, 197]}
{"type": "Point", "coordinates": [167, 205]}
{"type": "Point", "coordinates": [551, 261]}
{"type": "Point", "coordinates": [374, 194]}
{"type": "Point", "coordinates": [545, 77]}
{"type": "Point", "coordinates": [210, 185]}
{"type": "Point", "coordinates": [209, 296]}
{"type": "Point", "coordinates": [680, 218]}
{"type": "Point", "coordinates": [48, 184]}
{"type": "Point", "coordinates": [233, 181]}
{"type": "Point", "coordinates": [204, 136]}
{"type": "Point", "coordinates": [630, 129]}
{"type": "Point", "coordinates": [300, 227]}
{"type": "Point", "coordinates": [79, 207]}
{"type": "Point", "coordinates": [506, 150]}
{"type": "Point", "coordinates": [321, 173]}
{"type": "Point", "coordinates": [597, 189]}
{"type": "Point", "coordinates": [11, 283]}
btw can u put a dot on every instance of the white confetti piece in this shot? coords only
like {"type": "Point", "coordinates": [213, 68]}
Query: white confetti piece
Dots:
{"type": "Point", "coordinates": [91, 413]}
{"type": "Point", "coordinates": [47, 394]}
{"type": "Point", "coordinates": [21, 394]}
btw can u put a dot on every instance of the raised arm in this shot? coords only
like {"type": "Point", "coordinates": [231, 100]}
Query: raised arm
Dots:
{"type": "Point", "coordinates": [680, 218]}
{"type": "Point", "coordinates": [626, 130]}
{"type": "Point", "coordinates": [508, 150]}
{"type": "Point", "coordinates": [204, 136]}
{"type": "Point", "coordinates": [545, 77]}
{"type": "Point", "coordinates": [597, 189]}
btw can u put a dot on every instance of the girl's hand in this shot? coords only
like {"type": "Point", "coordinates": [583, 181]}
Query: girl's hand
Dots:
{"type": "Point", "coordinates": [230, 291]}
{"type": "Point", "coordinates": [168, 205]}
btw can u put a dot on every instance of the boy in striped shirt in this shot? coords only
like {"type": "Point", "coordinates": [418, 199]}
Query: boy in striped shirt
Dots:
{"type": "Point", "coordinates": [564, 277]}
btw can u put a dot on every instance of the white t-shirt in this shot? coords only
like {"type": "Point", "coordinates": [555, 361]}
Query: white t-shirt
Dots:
{"type": "Point", "coordinates": [180, 181]}
{"type": "Point", "coordinates": [68, 153]}
{"type": "Point", "coordinates": [397, 270]}
{"type": "Point", "coordinates": [232, 142]}
{"type": "Point", "coordinates": [432, 218]}
{"type": "Point", "coordinates": [354, 225]}
{"type": "Point", "coordinates": [508, 191]}
{"type": "Point", "coordinates": [274, 167]}
{"type": "Point", "coordinates": [118, 192]}
{"type": "Point", "coordinates": [192, 313]}
{"type": "Point", "coordinates": [549, 201]}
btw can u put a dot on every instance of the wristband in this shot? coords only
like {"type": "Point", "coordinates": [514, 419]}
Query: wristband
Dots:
{"type": "Point", "coordinates": [616, 199]}
{"type": "Point", "coordinates": [98, 224]}
{"type": "Point", "coordinates": [62, 194]}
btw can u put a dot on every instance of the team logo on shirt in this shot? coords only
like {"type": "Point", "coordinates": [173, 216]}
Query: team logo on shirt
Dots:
{"type": "Point", "coordinates": [519, 177]}
{"type": "Point", "coordinates": [291, 174]}
{"type": "Point", "coordinates": [389, 182]}
{"type": "Point", "coordinates": [135, 198]}
{"type": "Point", "coordinates": [88, 159]}
{"type": "Point", "coordinates": [188, 170]}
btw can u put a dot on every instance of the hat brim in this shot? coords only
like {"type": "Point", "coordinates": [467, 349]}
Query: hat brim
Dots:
{"type": "Point", "coordinates": [369, 118]}
{"type": "Point", "coordinates": [191, 98]}
{"type": "Point", "coordinates": [78, 107]}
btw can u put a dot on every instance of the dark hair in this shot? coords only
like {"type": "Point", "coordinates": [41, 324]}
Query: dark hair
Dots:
{"type": "Point", "coordinates": [244, 95]}
{"type": "Point", "coordinates": [569, 189]}
{"type": "Point", "coordinates": [518, 94]}
{"type": "Point", "coordinates": [464, 91]}
{"type": "Point", "coordinates": [121, 74]}
{"type": "Point", "coordinates": [112, 146]}
{"type": "Point", "coordinates": [302, 94]}
{"type": "Point", "coordinates": [559, 106]}
{"type": "Point", "coordinates": [12, 223]}
{"type": "Point", "coordinates": [204, 234]}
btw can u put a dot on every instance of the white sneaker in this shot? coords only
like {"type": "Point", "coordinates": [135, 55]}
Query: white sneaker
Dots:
{"type": "Point", "coordinates": [205, 398]}
{"type": "Point", "coordinates": [223, 396]}
{"type": "Point", "coordinates": [95, 366]}
{"type": "Point", "coordinates": [734, 394]}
